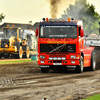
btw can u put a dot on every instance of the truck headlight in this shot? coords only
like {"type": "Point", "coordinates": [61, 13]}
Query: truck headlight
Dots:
{"type": "Point", "coordinates": [59, 58]}
{"type": "Point", "coordinates": [50, 58]}
{"type": "Point", "coordinates": [73, 57]}
{"type": "Point", "coordinates": [55, 58]}
{"type": "Point", "coordinates": [63, 58]}
{"type": "Point", "coordinates": [42, 57]}
{"type": "Point", "coordinates": [41, 61]}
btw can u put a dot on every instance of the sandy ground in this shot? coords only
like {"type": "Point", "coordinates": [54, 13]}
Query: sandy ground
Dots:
{"type": "Point", "coordinates": [24, 81]}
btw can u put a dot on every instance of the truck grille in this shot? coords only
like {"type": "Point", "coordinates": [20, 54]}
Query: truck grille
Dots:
{"type": "Point", "coordinates": [70, 48]}
{"type": "Point", "coordinates": [4, 43]}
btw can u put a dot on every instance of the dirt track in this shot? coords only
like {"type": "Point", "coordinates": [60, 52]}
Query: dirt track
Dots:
{"type": "Point", "coordinates": [24, 81]}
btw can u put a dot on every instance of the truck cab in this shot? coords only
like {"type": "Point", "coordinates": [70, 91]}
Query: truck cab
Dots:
{"type": "Point", "coordinates": [61, 44]}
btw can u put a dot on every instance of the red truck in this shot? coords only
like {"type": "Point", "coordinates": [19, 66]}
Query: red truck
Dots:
{"type": "Point", "coordinates": [61, 45]}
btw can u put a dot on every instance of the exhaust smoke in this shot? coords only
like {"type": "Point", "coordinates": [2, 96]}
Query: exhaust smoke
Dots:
{"type": "Point", "coordinates": [58, 6]}
{"type": "Point", "coordinates": [54, 7]}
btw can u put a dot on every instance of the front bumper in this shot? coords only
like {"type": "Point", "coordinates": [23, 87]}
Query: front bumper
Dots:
{"type": "Point", "coordinates": [59, 63]}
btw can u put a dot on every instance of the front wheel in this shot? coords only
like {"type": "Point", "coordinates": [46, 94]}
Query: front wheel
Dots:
{"type": "Point", "coordinates": [44, 70]}
{"type": "Point", "coordinates": [80, 68]}
{"type": "Point", "coordinates": [93, 62]}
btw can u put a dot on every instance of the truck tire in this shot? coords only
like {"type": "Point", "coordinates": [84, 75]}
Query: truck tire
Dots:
{"type": "Point", "coordinates": [27, 52]}
{"type": "Point", "coordinates": [19, 55]}
{"type": "Point", "coordinates": [80, 68]}
{"type": "Point", "coordinates": [93, 61]}
{"type": "Point", "coordinates": [20, 52]}
{"type": "Point", "coordinates": [44, 70]}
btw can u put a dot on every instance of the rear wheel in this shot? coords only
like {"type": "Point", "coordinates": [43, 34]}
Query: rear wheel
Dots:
{"type": "Point", "coordinates": [93, 61]}
{"type": "Point", "coordinates": [20, 52]}
{"type": "Point", "coordinates": [19, 55]}
{"type": "Point", "coordinates": [27, 52]}
{"type": "Point", "coordinates": [80, 68]}
{"type": "Point", "coordinates": [44, 70]}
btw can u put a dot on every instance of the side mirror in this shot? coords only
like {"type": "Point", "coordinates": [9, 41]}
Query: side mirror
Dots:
{"type": "Point", "coordinates": [99, 28]}
{"type": "Point", "coordinates": [36, 32]}
{"type": "Point", "coordinates": [82, 33]}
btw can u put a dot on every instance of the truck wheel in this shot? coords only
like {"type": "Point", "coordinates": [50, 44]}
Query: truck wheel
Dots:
{"type": "Point", "coordinates": [27, 52]}
{"type": "Point", "coordinates": [93, 62]}
{"type": "Point", "coordinates": [44, 70]}
{"type": "Point", "coordinates": [80, 68]}
{"type": "Point", "coordinates": [19, 54]}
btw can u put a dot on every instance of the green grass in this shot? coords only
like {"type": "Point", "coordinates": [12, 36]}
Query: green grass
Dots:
{"type": "Point", "coordinates": [17, 61]}
{"type": "Point", "coordinates": [94, 97]}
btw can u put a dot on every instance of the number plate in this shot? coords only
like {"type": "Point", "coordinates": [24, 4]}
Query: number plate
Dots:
{"type": "Point", "coordinates": [57, 63]}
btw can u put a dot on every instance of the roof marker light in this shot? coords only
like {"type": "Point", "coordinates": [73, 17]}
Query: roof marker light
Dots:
{"type": "Point", "coordinates": [68, 19]}
{"type": "Point", "coordinates": [7, 25]}
{"type": "Point", "coordinates": [47, 19]}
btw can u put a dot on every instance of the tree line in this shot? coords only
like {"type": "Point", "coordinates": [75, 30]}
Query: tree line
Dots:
{"type": "Point", "coordinates": [82, 10]}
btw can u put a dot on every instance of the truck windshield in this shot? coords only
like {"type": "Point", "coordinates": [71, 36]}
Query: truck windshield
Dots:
{"type": "Point", "coordinates": [58, 32]}
{"type": "Point", "coordinates": [10, 32]}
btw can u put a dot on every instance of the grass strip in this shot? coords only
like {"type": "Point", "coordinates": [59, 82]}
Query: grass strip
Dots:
{"type": "Point", "coordinates": [17, 61]}
{"type": "Point", "coordinates": [94, 97]}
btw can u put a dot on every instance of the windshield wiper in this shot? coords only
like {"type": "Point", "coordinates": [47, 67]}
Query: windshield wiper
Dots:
{"type": "Point", "coordinates": [43, 37]}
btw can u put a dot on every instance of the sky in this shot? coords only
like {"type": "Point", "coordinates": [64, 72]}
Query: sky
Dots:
{"type": "Point", "coordinates": [23, 11]}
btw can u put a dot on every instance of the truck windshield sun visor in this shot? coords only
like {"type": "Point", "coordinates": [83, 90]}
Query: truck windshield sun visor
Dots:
{"type": "Point", "coordinates": [58, 32]}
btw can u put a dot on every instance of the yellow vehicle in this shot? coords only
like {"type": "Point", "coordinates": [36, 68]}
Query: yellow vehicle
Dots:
{"type": "Point", "coordinates": [12, 43]}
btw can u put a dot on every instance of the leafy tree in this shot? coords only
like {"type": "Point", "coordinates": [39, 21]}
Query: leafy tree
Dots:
{"type": "Point", "coordinates": [82, 10]}
{"type": "Point", "coordinates": [2, 17]}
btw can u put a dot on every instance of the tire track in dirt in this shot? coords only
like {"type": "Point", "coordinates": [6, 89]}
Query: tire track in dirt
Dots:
{"type": "Point", "coordinates": [25, 81]}
{"type": "Point", "coordinates": [41, 80]}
